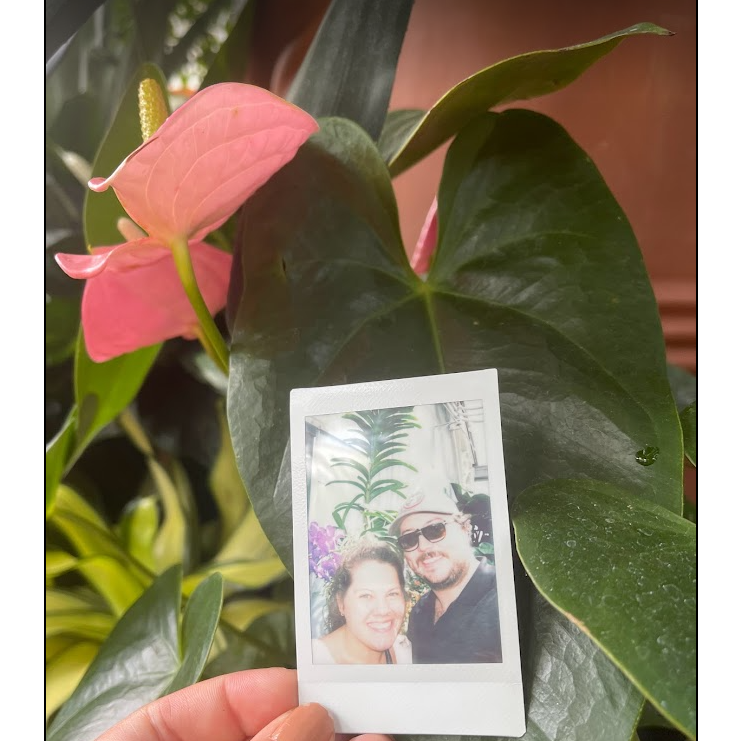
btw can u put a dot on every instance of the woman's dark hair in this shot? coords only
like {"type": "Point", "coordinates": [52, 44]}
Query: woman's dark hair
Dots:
{"type": "Point", "coordinates": [365, 548]}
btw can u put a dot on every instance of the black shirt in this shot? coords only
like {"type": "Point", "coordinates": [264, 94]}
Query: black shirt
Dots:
{"type": "Point", "coordinates": [467, 632]}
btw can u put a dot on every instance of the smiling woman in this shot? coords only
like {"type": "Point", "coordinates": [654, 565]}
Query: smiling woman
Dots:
{"type": "Point", "coordinates": [367, 606]}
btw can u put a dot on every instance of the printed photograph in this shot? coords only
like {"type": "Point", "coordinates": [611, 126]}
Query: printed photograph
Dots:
{"type": "Point", "coordinates": [401, 552]}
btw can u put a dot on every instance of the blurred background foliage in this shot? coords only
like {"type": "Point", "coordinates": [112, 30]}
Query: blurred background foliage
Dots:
{"type": "Point", "coordinates": [157, 485]}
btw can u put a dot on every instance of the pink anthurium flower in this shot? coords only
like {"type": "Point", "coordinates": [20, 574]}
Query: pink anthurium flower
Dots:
{"type": "Point", "coordinates": [186, 180]}
{"type": "Point", "coordinates": [422, 254]}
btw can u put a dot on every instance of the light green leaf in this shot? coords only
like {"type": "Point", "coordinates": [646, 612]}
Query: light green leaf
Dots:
{"type": "Point", "coordinates": [249, 574]}
{"type": "Point", "coordinates": [363, 40]}
{"type": "Point", "coordinates": [519, 78]}
{"type": "Point", "coordinates": [59, 562]}
{"type": "Point", "coordinates": [139, 528]}
{"type": "Point", "coordinates": [80, 623]}
{"type": "Point", "coordinates": [226, 485]}
{"type": "Point", "coordinates": [65, 670]}
{"type": "Point", "coordinates": [688, 418]}
{"type": "Point", "coordinates": [241, 613]}
{"type": "Point", "coordinates": [103, 561]}
{"type": "Point", "coordinates": [142, 658]}
{"type": "Point", "coordinates": [102, 210]}
{"type": "Point", "coordinates": [625, 571]}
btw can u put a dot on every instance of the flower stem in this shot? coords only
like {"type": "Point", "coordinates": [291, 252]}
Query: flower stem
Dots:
{"type": "Point", "coordinates": [209, 334]}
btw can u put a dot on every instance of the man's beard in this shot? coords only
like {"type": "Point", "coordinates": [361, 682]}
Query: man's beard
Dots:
{"type": "Point", "coordinates": [457, 572]}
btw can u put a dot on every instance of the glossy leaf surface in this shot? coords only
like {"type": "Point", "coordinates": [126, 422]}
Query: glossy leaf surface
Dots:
{"type": "Point", "coordinates": [144, 657]}
{"type": "Point", "coordinates": [579, 396]}
{"type": "Point", "coordinates": [536, 273]}
{"type": "Point", "coordinates": [625, 571]}
{"type": "Point", "coordinates": [355, 49]}
{"type": "Point", "coordinates": [519, 78]}
{"type": "Point", "coordinates": [576, 693]}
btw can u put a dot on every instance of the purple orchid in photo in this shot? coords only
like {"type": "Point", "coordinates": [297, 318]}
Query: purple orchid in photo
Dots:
{"type": "Point", "coordinates": [324, 559]}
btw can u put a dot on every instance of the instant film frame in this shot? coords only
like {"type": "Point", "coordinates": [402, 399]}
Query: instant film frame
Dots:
{"type": "Point", "coordinates": [443, 698]}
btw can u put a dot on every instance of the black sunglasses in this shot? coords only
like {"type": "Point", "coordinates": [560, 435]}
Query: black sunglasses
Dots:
{"type": "Point", "coordinates": [432, 532]}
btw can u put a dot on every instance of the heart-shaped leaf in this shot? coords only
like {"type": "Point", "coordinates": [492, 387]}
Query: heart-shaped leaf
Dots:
{"type": "Point", "coordinates": [519, 78]}
{"type": "Point", "coordinates": [625, 571]}
{"type": "Point", "coordinates": [145, 656]}
{"type": "Point", "coordinates": [537, 273]}
{"type": "Point", "coordinates": [355, 49]}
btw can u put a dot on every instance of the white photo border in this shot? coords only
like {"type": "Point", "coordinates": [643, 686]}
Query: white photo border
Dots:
{"type": "Point", "coordinates": [485, 699]}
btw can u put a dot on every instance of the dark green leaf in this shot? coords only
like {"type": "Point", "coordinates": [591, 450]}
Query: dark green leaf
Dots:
{"type": "Point", "coordinates": [200, 619]}
{"type": "Point", "coordinates": [576, 692]}
{"type": "Point", "coordinates": [688, 418]}
{"type": "Point", "coordinates": [268, 641]}
{"type": "Point", "coordinates": [103, 210]}
{"type": "Point", "coordinates": [356, 49]}
{"type": "Point", "coordinates": [625, 571]}
{"type": "Point", "coordinates": [396, 130]}
{"type": "Point", "coordinates": [142, 658]}
{"type": "Point", "coordinates": [537, 274]}
{"type": "Point", "coordinates": [104, 390]}
{"type": "Point", "coordinates": [230, 64]}
{"type": "Point", "coordinates": [62, 19]}
{"type": "Point", "coordinates": [62, 322]}
{"type": "Point", "coordinates": [683, 385]}
{"type": "Point", "coordinates": [530, 239]}
{"type": "Point", "coordinates": [58, 452]}
{"type": "Point", "coordinates": [519, 78]}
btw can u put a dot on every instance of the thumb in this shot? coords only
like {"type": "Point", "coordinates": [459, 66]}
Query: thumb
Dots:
{"type": "Point", "coordinates": [305, 723]}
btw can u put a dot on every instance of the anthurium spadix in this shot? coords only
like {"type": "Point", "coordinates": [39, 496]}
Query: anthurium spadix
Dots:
{"type": "Point", "coordinates": [183, 182]}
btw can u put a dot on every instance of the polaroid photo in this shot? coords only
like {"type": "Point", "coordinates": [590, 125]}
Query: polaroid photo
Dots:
{"type": "Point", "coordinates": [405, 603]}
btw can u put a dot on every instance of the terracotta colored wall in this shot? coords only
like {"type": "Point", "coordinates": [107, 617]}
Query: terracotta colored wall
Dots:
{"type": "Point", "coordinates": [634, 113]}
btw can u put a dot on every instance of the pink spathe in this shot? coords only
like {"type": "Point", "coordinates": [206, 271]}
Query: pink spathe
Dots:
{"type": "Point", "coordinates": [422, 255]}
{"type": "Point", "coordinates": [185, 181]}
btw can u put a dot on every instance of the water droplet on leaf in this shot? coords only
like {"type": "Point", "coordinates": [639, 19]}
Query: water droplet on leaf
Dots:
{"type": "Point", "coordinates": [571, 543]}
{"type": "Point", "coordinates": [647, 456]}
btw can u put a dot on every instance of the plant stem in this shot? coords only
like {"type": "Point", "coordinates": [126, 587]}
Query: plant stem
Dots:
{"type": "Point", "coordinates": [209, 334]}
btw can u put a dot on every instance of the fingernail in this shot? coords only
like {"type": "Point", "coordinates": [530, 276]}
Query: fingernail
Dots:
{"type": "Point", "coordinates": [305, 723]}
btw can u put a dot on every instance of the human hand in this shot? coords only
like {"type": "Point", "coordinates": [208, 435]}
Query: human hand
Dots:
{"type": "Point", "coordinates": [257, 704]}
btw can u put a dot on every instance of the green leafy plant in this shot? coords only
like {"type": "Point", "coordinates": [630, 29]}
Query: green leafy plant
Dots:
{"type": "Point", "coordinates": [380, 437]}
{"type": "Point", "coordinates": [534, 271]}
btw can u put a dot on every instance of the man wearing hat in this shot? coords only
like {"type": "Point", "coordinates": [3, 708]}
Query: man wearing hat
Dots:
{"type": "Point", "coordinates": [457, 621]}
